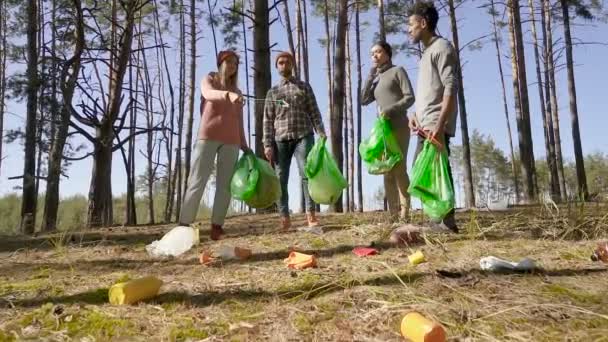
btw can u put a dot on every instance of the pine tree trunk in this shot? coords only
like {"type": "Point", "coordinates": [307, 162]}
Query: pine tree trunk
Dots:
{"type": "Point", "coordinates": [43, 116]}
{"type": "Point", "coordinates": [346, 140]}
{"type": "Point", "coordinates": [190, 119]}
{"type": "Point", "coordinates": [469, 195]}
{"type": "Point", "coordinates": [351, 131]}
{"type": "Point", "coordinates": [54, 106]}
{"type": "Point", "coordinates": [554, 107]}
{"type": "Point", "coordinates": [506, 108]}
{"type": "Point", "coordinates": [168, 137]}
{"type": "Point", "coordinates": [3, 46]}
{"type": "Point", "coordinates": [288, 30]}
{"type": "Point", "coordinates": [130, 157]}
{"type": "Point", "coordinates": [328, 59]}
{"type": "Point", "coordinates": [247, 81]}
{"type": "Point", "coordinates": [305, 43]}
{"type": "Point", "coordinates": [359, 85]}
{"type": "Point", "coordinates": [212, 25]}
{"type": "Point", "coordinates": [554, 186]}
{"type": "Point", "coordinates": [150, 139]}
{"type": "Point", "coordinates": [100, 193]}
{"type": "Point", "coordinates": [261, 61]}
{"type": "Point", "coordinates": [548, 107]}
{"type": "Point", "coordinates": [28, 204]}
{"type": "Point", "coordinates": [338, 91]}
{"type": "Point", "coordinates": [581, 178]}
{"type": "Point", "coordinates": [381, 27]}
{"type": "Point", "coordinates": [68, 85]}
{"type": "Point", "coordinates": [299, 45]}
{"type": "Point", "coordinates": [521, 101]}
{"type": "Point", "coordinates": [182, 107]}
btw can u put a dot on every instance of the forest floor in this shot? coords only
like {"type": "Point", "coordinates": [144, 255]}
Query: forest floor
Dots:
{"type": "Point", "coordinates": [55, 287]}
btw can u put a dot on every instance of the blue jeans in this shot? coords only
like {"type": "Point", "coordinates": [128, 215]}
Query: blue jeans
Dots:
{"type": "Point", "coordinates": [286, 150]}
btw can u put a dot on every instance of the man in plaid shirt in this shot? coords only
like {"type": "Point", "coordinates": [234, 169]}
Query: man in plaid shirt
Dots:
{"type": "Point", "coordinates": [291, 115]}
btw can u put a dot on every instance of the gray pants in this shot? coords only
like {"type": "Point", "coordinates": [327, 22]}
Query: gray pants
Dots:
{"type": "Point", "coordinates": [286, 150]}
{"type": "Point", "coordinates": [205, 153]}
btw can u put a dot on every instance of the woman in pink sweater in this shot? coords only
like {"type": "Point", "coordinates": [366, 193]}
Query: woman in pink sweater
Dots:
{"type": "Point", "coordinates": [220, 135]}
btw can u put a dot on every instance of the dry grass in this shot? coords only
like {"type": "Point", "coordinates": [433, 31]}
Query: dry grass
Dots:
{"type": "Point", "coordinates": [51, 290]}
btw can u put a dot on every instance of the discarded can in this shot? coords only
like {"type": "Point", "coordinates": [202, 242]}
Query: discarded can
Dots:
{"type": "Point", "coordinates": [418, 328]}
{"type": "Point", "coordinates": [134, 291]}
{"type": "Point", "coordinates": [416, 258]}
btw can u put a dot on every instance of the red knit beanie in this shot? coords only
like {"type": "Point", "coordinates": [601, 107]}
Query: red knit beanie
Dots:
{"type": "Point", "coordinates": [221, 57]}
{"type": "Point", "coordinates": [284, 54]}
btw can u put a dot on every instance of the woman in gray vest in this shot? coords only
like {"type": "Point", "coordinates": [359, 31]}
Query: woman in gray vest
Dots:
{"type": "Point", "coordinates": [389, 86]}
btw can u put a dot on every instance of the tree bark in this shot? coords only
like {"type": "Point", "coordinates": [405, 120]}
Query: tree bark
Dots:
{"type": "Point", "coordinates": [549, 149]}
{"type": "Point", "coordinates": [350, 123]}
{"type": "Point", "coordinates": [506, 108]}
{"type": "Point", "coordinates": [305, 43]}
{"type": "Point", "coordinates": [261, 61]}
{"type": "Point", "coordinates": [382, 30]}
{"type": "Point", "coordinates": [520, 90]}
{"type": "Point", "coordinates": [247, 81]}
{"type": "Point", "coordinates": [182, 107]}
{"type": "Point", "coordinates": [190, 119]}
{"type": "Point", "coordinates": [583, 191]}
{"type": "Point", "coordinates": [554, 107]}
{"type": "Point", "coordinates": [328, 58]}
{"type": "Point", "coordinates": [288, 29]}
{"type": "Point", "coordinates": [469, 194]}
{"type": "Point", "coordinates": [150, 139]}
{"type": "Point", "coordinates": [68, 85]}
{"type": "Point", "coordinates": [28, 204]}
{"type": "Point", "coordinates": [548, 107]}
{"type": "Point", "coordinates": [299, 44]}
{"type": "Point", "coordinates": [168, 136]}
{"type": "Point", "coordinates": [212, 25]}
{"type": "Point", "coordinates": [338, 91]}
{"type": "Point", "coordinates": [359, 85]}
{"type": "Point", "coordinates": [100, 193]}
{"type": "Point", "coordinates": [3, 45]}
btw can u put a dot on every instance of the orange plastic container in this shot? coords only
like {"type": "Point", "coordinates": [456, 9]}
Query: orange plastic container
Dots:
{"type": "Point", "coordinates": [418, 328]}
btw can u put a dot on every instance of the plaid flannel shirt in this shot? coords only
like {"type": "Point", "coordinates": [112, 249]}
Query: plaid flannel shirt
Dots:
{"type": "Point", "coordinates": [294, 121]}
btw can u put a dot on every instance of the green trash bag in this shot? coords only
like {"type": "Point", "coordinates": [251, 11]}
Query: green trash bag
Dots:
{"type": "Point", "coordinates": [380, 151]}
{"type": "Point", "coordinates": [430, 182]}
{"type": "Point", "coordinates": [325, 181]}
{"type": "Point", "coordinates": [255, 182]}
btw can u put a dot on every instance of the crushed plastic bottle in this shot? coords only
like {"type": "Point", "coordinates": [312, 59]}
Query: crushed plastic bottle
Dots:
{"type": "Point", "coordinates": [601, 253]}
{"type": "Point", "coordinates": [233, 252]}
{"type": "Point", "coordinates": [176, 242]}
{"type": "Point", "coordinates": [494, 264]}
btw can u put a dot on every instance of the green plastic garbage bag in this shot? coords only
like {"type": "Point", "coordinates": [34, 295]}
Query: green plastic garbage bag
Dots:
{"type": "Point", "coordinates": [255, 182]}
{"type": "Point", "coordinates": [380, 151]}
{"type": "Point", "coordinates": [325, 181]}
{"type": "Point", "coordinates": [430, 182]}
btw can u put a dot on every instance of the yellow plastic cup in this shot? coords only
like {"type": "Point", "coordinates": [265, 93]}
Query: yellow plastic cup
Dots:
{"type": "Point", "coordinates": [418, 328]}
{"type": "Point", "coordinates": [134, 291]}
{"type": "Point", "coordinates": [417, 258]}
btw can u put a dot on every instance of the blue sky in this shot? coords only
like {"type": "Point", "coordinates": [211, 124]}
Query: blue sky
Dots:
{"type": "Point", "coordinates": [481, 82]}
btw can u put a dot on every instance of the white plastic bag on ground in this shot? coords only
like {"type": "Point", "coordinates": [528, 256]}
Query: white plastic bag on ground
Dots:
{"type": "Point", "coordinates": [176, 242]}
{"type": "Point", "coordinates": [494, 264]}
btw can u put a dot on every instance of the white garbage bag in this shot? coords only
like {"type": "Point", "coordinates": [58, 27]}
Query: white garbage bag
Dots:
{"type": "Point", "coordinates": [176, 242]}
